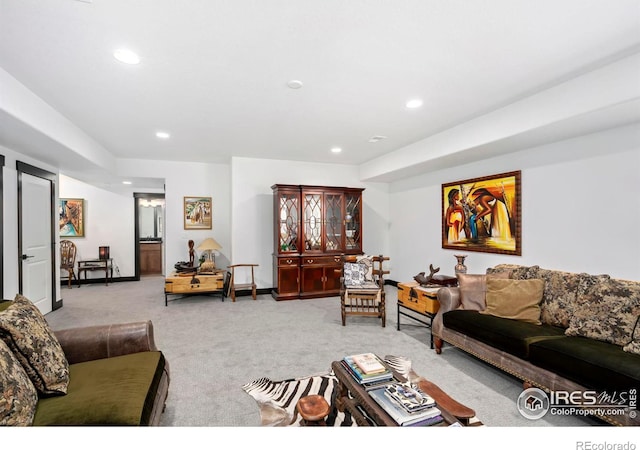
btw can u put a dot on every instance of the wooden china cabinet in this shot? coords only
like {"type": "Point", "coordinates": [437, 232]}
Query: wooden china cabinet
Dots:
{"type": "Point", "coordinates": [313, 227]}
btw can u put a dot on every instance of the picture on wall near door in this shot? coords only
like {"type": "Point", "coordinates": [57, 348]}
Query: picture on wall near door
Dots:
{"type": "Point", "coordinates": [483, 214]}
{"type": "Point", "coordinates": [197, 213]}
{"type": "Point", "coordinates": [71, 220]}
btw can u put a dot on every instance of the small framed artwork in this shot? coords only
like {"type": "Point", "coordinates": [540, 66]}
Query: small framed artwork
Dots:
{"type": "Point", "coordinates": [71, 220]}
{"type": "Point", "coordinates": [483, 214]}
{"type": "Point", "coordinates": [197, 213]}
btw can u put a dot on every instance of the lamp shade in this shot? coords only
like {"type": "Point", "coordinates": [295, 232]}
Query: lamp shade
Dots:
{"type": "Point", "coordinates": [209, 244]}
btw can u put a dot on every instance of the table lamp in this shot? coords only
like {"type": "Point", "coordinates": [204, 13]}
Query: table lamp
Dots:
{"type": "Point", "coordinates": [208, 246]}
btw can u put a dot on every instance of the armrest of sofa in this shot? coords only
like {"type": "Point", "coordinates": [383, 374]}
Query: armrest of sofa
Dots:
{"type": "Point", "coordinates": [449, 299]}
{"type": "Point", "coordinates": [105, 341]}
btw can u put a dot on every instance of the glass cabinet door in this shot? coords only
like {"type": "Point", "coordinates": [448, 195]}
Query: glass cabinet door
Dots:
{"type": "Point", "coordinates": [353, 221]}
{"type": "Point", "coordinates": [312, 221]}
{"type": "Point", "coordinates": [288, 222]}
{"type": "Point", "coordinates": [334, 223]}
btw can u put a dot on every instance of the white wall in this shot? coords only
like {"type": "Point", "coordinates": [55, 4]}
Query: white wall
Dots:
{"type": "Point", "coordinates": [108, 220]}
{"type": "Point", "coordinates": [580, 207]}
{"type": "Point", "coordinates": [252, 207]}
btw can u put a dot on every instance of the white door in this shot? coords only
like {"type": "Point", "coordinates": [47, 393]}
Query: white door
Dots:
{"type": "Point", "coordinates": [36, 241]}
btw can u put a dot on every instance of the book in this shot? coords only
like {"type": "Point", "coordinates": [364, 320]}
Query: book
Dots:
{"type": "Point", "coordinates": [410, 398]}
{"type": "Point", "coordinates": [398, 413]}
{"type": "Point", "coordinates": [367, 381]}
{"type": "Point", "coordinates": [369, 363]}
{"type": "Point", "coordinates": [435, 420]}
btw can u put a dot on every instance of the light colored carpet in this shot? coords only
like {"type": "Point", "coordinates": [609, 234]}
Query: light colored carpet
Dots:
{"type": "Point", "coordinates": [215, 347]}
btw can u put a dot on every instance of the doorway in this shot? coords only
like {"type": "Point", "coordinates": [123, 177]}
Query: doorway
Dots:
{"type": "Point", "coordinates": [149, 234]}
{"type": "Point", "coordinates": [37, 236]}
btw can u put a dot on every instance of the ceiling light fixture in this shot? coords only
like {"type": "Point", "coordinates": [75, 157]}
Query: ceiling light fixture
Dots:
{"type": "Point", "coordinates": [376, 138]}
{"type": "Point", "coordinates": [295, 84]}
{"type": "Point", "coordinates": [336, 149]}
{"type": "Point", "coordinates": [415, 103]}
{"type": "Point", "coordinates": [126, 182]}
{"type": "Point", "coordinates": [126, 56]}
{"type": "Point", "coordinates": [163, 135]}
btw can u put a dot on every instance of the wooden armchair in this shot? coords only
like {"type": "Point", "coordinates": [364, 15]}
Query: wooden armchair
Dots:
{"type": "Point", "coordinates": [362, 287]}
{"type": "Point", "coordinates": [68, 259]}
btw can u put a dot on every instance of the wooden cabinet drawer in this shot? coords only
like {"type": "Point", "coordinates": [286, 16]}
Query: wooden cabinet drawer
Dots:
{"type": "Point", "coordinates": [288, 261]}
{"type": "Point", "coordinates": [183, 285]}
{"type": "Point", "coordinates": [422, 300]}
{"type": "Point", "coordinates": [321, 260]}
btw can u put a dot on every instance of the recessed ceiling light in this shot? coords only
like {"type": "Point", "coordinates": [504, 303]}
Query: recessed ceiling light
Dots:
{"type": "Point", "coordinates": [126, 56]}
{"type": "Point", "coordinates": [126, 182]}
{"type": "Point", "coordinates": [295, 84]}
{"type": "Point", "coordinates": [415, 103]}
{"type": "Point", "coordinates": [376, 138]}
{"type": "Point", "coordinates": [336, 149]}
{"type": "Point", "coordinates": [163, 135]}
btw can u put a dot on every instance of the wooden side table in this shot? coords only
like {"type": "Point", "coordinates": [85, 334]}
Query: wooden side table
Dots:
{"type": "Point", "coordinates": [192, 284]}
{"type": "Point", "coordinates": [418, 303]}
{"type": "Point", "coordinates": [89, 265]}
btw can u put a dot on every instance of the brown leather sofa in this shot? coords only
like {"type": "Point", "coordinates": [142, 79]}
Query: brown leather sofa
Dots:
{"type": "Point", "coordinates": [97, 399]}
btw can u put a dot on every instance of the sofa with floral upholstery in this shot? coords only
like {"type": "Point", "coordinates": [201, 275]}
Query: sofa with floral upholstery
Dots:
{"type": "Point", "coordinates": [558, 331]}
{"type": "Point", "coordinates": [99, 375]}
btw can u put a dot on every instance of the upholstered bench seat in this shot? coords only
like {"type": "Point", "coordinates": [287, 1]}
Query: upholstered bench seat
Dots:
{"type": "Point", "coordinates": [110, 391]}
{"type": "Point", "coordinates": [595, 364]}
{"type": "Point", "coordinates": [512, 336]}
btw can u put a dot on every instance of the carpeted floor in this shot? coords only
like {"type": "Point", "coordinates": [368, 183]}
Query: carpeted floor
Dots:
{"type": "Point", "coordinates": [214, 348]}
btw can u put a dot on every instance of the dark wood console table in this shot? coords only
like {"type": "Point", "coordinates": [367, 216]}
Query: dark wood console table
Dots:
{"type": "Point", "coordinates": [89, 265]}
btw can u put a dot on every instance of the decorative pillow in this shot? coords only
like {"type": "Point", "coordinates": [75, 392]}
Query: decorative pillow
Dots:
{"type": "Point", "coordinates": [558, 300]}
{"type": "Point", "coordinates": [26, 332]}
{"type": "Point", "coordinates": [354, 274]}
{"type": "Point", "coordinates": [634, 345]}
{"type": "Point", "coordinates": [525, 273]}
{"type": "Point", "coordinates": [19, 397]}
{"type": "Point", "coordinates": [473, 289]}
{"type": "Point", "coordinates": [503, 268]}
{"type": "Point", "coordinates": [368, 264]}
{"type": "Point", "coordinates": [514, 299]}
{"type": "Point", "coordinates": [608, 312]}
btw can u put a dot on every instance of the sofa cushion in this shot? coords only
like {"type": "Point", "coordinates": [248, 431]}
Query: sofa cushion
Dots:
{"type": "Point", "coordinates": [110, 391]}
{"type": "Point", "coordinates": [512, 336]}
{"type": "Point", "coordinates": [525, 273]}
{"type": "Point", "coordinates": [367, 261]}
{"type": "Point", "coordinates": [591, 363]}
{"type": "Point", "coordinates": [558, 299]}
{"type": "Point", "coordinates": [473, 289]}
{"type": "Point", "coordinates": [26, 332]}
{"type": "Point", "coordinates": [608, 312]}
{"type": "Point", "coordinates": [514, 299]}
{"type": "Point", "coordinates": [19, 397]}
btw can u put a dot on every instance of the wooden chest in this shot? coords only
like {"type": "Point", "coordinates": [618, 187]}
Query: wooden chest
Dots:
{"type": "Point", "coordinates": [175, 284]}
{"type": "Point", "coordinates": [422, 300]}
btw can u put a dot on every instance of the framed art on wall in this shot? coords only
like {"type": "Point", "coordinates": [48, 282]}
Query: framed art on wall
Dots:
{"type": "Point", "coordinates": [483, 214]}
{"type": "Point", "coordinates": [197, 213]}
{"type": "Point", "coordinates": [71, 220]}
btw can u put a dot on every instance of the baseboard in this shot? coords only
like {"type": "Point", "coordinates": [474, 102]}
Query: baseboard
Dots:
{"type": "Point", "coordinates": [65, 283]}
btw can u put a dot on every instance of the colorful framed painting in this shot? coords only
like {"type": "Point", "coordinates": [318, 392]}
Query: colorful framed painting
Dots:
{"type": "Point", "coordinates": [483, 214]}
{"type": "Point", "coordinates": [71, 220]}
{"type": "Point", "coordinates": [197, 213]}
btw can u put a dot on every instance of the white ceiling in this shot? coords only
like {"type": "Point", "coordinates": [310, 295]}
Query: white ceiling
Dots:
{"type": "Point", "coordinates": [214, 73]}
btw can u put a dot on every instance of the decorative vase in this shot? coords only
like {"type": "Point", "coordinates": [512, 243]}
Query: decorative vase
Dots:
{"type": "Point", "coordinates": [460, 267]}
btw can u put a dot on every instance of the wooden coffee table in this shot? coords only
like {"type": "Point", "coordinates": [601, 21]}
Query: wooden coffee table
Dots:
{"type": "Point", "coordinates": [366, 412]}
{"type": "Point", "coordinates": [194, 284]}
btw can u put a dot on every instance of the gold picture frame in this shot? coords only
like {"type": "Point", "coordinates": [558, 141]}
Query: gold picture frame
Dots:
{"type": "Point", "coordinates": [71, 217]}
{"type": "Point", "coordinates": [483, 214]}
{"type": "Point", "coordinates": [197, 213]}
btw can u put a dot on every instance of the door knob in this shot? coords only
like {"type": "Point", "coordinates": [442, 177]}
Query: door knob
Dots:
{"type": "Point", "coordinates": [27, 256]}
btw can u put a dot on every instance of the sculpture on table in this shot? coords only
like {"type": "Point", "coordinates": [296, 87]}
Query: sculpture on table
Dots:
{"type": "Point", "coordinates": [192, 253]}
{"type": "Point", "coordinates": [425, 281]}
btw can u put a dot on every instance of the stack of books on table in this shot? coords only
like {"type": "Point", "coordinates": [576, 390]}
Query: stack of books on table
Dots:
{"type": "Point", "coordinates": [367, 369]}
{"type": "Point", "coordinates": [407, 405]}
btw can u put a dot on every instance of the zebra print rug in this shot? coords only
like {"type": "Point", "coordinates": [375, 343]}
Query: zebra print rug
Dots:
{"type": "Point", "coordinates": [277, 399]}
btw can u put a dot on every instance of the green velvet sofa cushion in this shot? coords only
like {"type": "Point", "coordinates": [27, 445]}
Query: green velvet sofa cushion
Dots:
{"type": "Point", "coordinates": [511, 336]}
{"type": "Point", "coordinates": [111, 391]}
{"type": "Point", "coordinates": [591, 363]}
